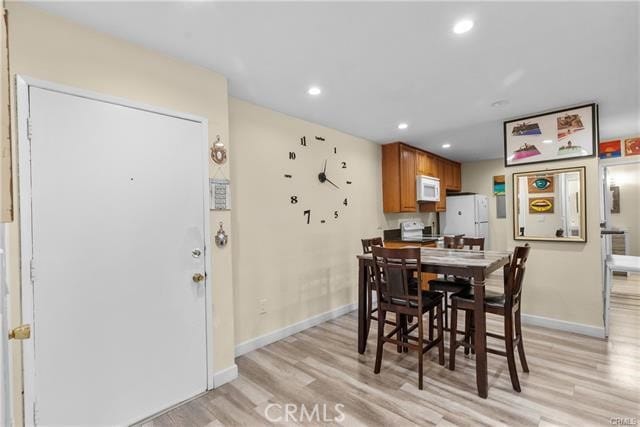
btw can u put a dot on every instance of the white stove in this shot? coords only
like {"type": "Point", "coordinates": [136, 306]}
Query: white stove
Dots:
{"type": "Point", "coordinates": [411, 230]}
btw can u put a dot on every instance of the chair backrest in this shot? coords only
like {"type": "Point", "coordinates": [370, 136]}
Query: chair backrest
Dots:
{"type": "Point", "coordinates": [394, 268]}
{"type": "Point", "coordinates": [513, 282]}
{"type": "Point", "coordinates": [453, 242]}
{"type": "Point", "coordinates": [472, 242]}
{"type": "Point", "coordinates": [368, 244]}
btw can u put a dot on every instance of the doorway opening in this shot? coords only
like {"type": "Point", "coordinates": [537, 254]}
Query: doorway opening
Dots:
{"type": "Point", "coordinates": [621, 238]}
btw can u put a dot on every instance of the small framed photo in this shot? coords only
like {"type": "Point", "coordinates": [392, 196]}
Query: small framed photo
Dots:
{"type": "Point", "coordinates": [558, 135]}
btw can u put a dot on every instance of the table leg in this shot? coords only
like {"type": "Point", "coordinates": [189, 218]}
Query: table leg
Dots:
{"type": "Point", "coordinates": [480, 337]}
{"type": "Point", "coordinates": [363, 330]}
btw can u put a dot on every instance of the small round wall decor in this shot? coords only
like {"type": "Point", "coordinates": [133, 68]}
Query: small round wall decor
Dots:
{"type": "Point", "coordinates": [218, 152]}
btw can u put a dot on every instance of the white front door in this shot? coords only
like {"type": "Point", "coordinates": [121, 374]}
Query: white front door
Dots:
{"type": "Point", "coordinates": [118, 213]}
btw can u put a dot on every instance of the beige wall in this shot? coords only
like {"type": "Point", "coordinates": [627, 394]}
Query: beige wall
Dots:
{"type": "Point", "coordinates": [300, 270]}
{"type": "Point", "coordinates": [50, 48]}
{"type": "Point", "coordinates": [477, 177]}
{"type": "Point", "coordinates": [563, 280]}
{"type": "Point", "coordinates": [627, 177]}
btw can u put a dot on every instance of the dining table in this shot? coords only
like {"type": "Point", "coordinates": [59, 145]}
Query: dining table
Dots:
{"type": "Point", "coordinates": [475, 265]}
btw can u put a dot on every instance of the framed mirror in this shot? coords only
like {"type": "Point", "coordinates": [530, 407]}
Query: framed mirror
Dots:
{"type": "Point", "coordinates": [550, 205]}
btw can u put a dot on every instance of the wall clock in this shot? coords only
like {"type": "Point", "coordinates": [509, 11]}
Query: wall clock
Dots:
{"type": "Point", "coordinates": [324, 180]}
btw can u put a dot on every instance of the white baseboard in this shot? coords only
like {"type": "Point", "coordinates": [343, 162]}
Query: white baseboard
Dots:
{"type": "Point", "coordinates": [224, 376]}
{"type": "Point", "coordinates": [277, 335]}
{"type": "Point", "coordinates": [563, 325]}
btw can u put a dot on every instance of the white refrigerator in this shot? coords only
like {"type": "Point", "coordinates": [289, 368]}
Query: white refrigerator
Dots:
{"type": "Point", "coordinates": [468, 215]}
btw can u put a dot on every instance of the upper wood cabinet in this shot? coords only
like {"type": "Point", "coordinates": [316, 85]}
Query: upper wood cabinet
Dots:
{"type": "Point", "coordinates": [401, 164]}
{"type": "Point", "coordinates": [426, 164]}
{"type": "Point", "coordinates": [443, 174]}
{"type": "Point", "coordinates": [456, 177]}
{"type": "Point", "coordinates": [408, 166]}
{"type": "Point", "coordinates": [398, 178]}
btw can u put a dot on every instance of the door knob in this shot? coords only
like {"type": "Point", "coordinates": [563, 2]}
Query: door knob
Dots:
{"type": "Point", "coordinates": [198, 278]}
{"type": "Point", "coordinates": [21, 332]}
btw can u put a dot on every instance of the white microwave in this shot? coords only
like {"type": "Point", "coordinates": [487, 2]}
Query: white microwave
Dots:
{"type": "Point", "coordinates": [428, 189]}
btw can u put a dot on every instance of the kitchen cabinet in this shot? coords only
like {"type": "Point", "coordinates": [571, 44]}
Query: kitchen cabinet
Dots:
{"type": "Point", "coordinates": [452, 176]}
{"type": "Point", "coordinates": [426, 164]}
{"type": "Point", "coordinates": [456, 177]}
{"type": "Point", "coordinates": [401, 163]}
{"type": "Point", "coordinates": [441, 206]}
{"type": "Point", "coordinates": [407, 179]}
{"type": "Point", "coordinates": [398, 178]}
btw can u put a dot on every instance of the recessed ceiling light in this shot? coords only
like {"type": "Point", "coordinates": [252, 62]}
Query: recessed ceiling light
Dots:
{"type": "Point", "coordinates": [447, 145]}
{"type": "Point", "coordinates": [547, 141]}
{"type": "Point", "coordinates": [463, 26]}
{"type": "Point", "coordinates": [500, 103]}
{"type": "Point", "coordinates": [314, 90]}
{"type": "Point", "coordinates": [403, 126]}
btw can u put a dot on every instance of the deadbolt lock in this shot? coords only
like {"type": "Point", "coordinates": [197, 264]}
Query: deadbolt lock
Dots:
{"type": "Point", "coordinates": [21, 332]}
{"type": "Point", "coordinates": [198, 278]}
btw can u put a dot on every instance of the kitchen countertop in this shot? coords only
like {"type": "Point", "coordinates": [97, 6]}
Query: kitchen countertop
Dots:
{"type": "Point", "coordinates": [424, 239]}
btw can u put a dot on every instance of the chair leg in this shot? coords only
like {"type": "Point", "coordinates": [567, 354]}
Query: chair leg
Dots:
{"type": "Point", "coordinates": [382, 316]}
{"type": "Point", "coordinates": [446, 315]}
{"type": "Point", "coordinates": [399, 322]}
{"type": "Point", "coordinates": [369, 306]}
{"type": "Point", "coordinates": [511, 357]}
{"type": "Point", "coordinates": [468, 316]}
{"type": "Point", "coordinates": [440, 337]}
{"type": "Point", "coordinates": [523, 358]}
{"type": "Point", "coordinates": [405, 328]}
{"type": "Point", "coordinates": [420, 351]}
{"type": "Point", "coordinates": [452, 336]}
{"type": "Point", "coordinates": [431, 325]}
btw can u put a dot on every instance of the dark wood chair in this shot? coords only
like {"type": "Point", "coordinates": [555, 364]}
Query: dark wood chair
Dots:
{"type": "Point", "coordinates": [452, 285]}
{"type": "Point", "coordinates": [367, 248]}
{"type": "Point", "coordinates": [472, 242]}
{"type": "Point", "coordinates": [507, 305]}
{"type": "Point", "coordinates": [393, 270]}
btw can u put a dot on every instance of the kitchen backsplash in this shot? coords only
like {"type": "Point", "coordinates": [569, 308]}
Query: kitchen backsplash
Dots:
{"type": "Point", "coordinates": [393, 220]}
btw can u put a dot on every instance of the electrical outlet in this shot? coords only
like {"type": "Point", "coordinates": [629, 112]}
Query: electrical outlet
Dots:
{"type": "Point", "coordinates": [263, 306]}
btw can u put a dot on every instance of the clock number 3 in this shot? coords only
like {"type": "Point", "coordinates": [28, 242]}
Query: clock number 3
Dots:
{"type": "Point", "coordinates": [308, 214]}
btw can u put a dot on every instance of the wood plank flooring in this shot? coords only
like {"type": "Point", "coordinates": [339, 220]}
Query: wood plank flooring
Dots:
{"type": "Point", "coordinates": [574, 381]}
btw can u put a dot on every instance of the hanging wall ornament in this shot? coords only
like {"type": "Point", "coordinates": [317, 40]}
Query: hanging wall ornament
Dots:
{"type": "Point", "coordinates": [218, 152]}
{"type": "Point", "coordinates": [221, 237]}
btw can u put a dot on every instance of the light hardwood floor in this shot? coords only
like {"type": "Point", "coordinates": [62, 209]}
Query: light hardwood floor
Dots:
{"type": "Point", "coordinates": [574, 381]}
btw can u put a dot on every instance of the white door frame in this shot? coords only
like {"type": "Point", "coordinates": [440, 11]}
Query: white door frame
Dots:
{"type": "Point", "coordinates": [23, 84]}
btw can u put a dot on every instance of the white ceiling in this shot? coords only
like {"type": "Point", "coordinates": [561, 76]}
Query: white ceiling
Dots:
{"type": "Point", "coordinates": [384, 63]}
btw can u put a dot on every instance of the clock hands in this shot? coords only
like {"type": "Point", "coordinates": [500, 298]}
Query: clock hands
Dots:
{"type": "Point", "coordinates": [329, 181]}
{"type": "Point", "coordinates": [322, 176]}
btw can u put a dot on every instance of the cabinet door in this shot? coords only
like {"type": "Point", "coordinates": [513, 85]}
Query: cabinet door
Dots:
{"type": "Point", "coordinates": [425, 164]}
{"type": "Point", "coordinates": [407, 179]}
{"type": "Point", "coordinates": [456, 177]}
{"type": "Point", "coordinates": [441, 206]}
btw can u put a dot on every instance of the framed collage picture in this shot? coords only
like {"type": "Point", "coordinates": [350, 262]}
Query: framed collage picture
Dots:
{"type": "Point", "coordinates": [553, 136]}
